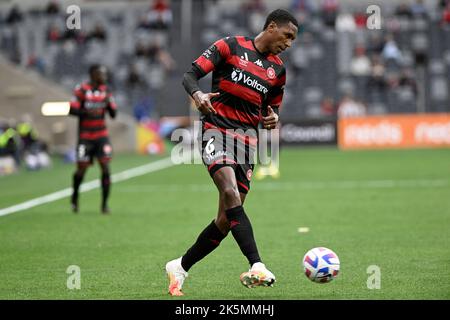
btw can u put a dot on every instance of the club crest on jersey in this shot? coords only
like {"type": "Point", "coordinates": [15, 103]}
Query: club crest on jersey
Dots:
{"type": "Point", "coordinates": [271, 73]}
{"type": "Point", "coordinates": [249, 174]}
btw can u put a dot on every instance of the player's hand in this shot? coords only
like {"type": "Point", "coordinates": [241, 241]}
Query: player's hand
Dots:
{"type": "Point", "coordinates": [203, 101]}
{"type": "Point", "coordinates": [270, 122]}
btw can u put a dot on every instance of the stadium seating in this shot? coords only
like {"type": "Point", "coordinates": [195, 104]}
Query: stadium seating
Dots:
{"type": "Point", "coordinates": [318, 64]}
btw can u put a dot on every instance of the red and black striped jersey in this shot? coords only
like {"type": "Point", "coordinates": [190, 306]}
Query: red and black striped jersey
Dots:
{"type": "Point", "coordinates": [90, 105]}
{"type": "Point", "coordinates": [247, 80]}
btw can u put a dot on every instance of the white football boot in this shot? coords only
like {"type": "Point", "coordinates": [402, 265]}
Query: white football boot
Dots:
{"type": "Point", "coordinates": [176, 275]}
{"type": "Point", "coordinates": [258, 275]}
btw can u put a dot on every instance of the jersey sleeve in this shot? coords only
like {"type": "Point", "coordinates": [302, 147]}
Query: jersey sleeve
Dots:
{"type": "Point", "coordinates": [112, 106]}
{"type": "Point", "coordinates": [218, 52]}
{"type": "Point", "coordinates": [275, 96]}
{"type": "Point", "coordinates": [111, 102]}
{"type": "Point", "coordinates": [76, 101]}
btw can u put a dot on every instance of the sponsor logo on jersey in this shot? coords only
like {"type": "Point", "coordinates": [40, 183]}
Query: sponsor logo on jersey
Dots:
{"type": "Point", "coordinates": [208, 52]}
{"type": "Point", "coordinates": [243, 60]}
{"type": "Point", "coordinates": [88, 104]}
{"type": "Point", "coordinates": [237, 76]}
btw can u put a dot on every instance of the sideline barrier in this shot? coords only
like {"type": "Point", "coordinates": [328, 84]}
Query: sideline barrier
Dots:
{"type": "Point", "coordinates": [308, 132]}
{"type": "Point", "coordinates": [395, 131]}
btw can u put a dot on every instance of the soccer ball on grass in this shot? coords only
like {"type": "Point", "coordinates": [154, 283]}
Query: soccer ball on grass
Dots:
{"type": "Point", "coordinates": [321, 265]}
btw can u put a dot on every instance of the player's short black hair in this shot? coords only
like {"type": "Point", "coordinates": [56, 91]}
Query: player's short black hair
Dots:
{"type": "Point", "coordinates": [94, 68]}
{"type": "Point", "coordinates": [280, 17]}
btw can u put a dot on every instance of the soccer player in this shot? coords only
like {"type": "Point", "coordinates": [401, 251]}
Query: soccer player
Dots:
{"type": "Point", "coordinates": [247, 89]}
{"type": "Point", "coordinates": [91, 101]}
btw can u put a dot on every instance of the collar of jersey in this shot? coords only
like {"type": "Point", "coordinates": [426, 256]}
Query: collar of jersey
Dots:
{"type": "Point", "coordinates": [256, 49]}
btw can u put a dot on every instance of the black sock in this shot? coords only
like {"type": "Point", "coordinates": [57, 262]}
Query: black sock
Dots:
{"type": "Point", "coordinates": [207, 241]}
{"type": "Point", "coordinates": [76, 182]}
{"type": "Point", "coordinates": [242, 231]}
{"type": "Point", "coordinates": [105, 188]}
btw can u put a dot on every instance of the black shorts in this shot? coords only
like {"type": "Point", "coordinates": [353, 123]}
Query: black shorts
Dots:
{"type": "Point", "coordinates": [87, 150]}
{"type": "Point", "coordinates": [220, 149]}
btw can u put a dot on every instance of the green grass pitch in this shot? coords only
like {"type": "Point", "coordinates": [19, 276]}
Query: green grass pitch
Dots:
{"type": "Point", "coordinates": [384, 208]}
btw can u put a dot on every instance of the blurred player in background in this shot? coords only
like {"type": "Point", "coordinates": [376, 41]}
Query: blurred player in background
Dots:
{"type": "Point", "coordinates": [91, 101]}
{"type": "Point", "coordinates": [247, 89]}
{"type": "Point", "coordinates": [271, 169]}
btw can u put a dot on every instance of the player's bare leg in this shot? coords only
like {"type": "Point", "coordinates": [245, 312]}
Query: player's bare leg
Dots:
{"type": "Point", "coordinates": [77, 180]}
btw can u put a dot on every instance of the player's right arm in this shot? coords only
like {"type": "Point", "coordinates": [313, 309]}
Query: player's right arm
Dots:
{"type": "Point", "coordinates": [76, 108]}
{"type": "Point", "coordinates": [207, 62]}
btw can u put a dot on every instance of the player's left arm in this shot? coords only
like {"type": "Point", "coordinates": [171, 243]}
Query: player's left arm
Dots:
{"type": "Point", "coordinates": [111, 105]}
{"type": "Point", "coordinates": [211, 58]}
{"type": "Point", "coordinates": [273, 102]}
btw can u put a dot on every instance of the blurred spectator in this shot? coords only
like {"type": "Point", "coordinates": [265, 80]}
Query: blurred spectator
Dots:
{"type": "Point", "coordinates": [73, 34]}
{"type": "Point", "coordinates": [9, 144]}
{"type": "Point", "coordinates": [375, 44]}
{"type": "Point", "coordinates": [446, 14]}
{"type": "Point", "coordinates": [160, 15]}
{"type": "Point", "coordinates": [391, 52]}
{"type": "Point", "coordinates": [54, 33]}
{"type": "Point", "coordinates": [349, 107]}
{"type": "Point", "coordinates": [406, 80]}
{"type": "Point", "coordinates": [360, 63]}
{"type": "Point", "coordinates": [328, 107]}
{"type": "Point", "coordinates": [33, 151]}
{"type": "Point", "coordinates": [254, 12]}
{"type": "Point", "coordinates": [143, 108]}
{"type": "Point", "coordinates": [419, 46]}
{"type": "Point", "coordinates": [155, 53]}
{"type": "Point", "coordinates": [377, 82]}
{"type": "Point", "coordinates": [254, 6]}
{"type": "Point", "coordinates": [52, 8]}
{"type": "Point", "coordinates": [329, 12]}
{"type": "Point", "coordinates": [299, 56]}
{"type": "Point", "coordinates": [134, 79]}
{"type": "Point", "coordinates": [140, 49]}
{"type": "Point", "coordinates": [419, 10]}
{"type": "Point", "coordinates": [403, 10]}
{"type": "Point", "coordinates": [14, 15]}
{"type": "Point", "coordinates": [99, 33]}
{"type": "Point", "coordinates": [345, 23]}
{"type": "Point", "coordinates": [304, 6]}
{"type": "Point", "coordinates": [37, 63]}
{"type": "Point", "coordinates": [165, 58]}
{"type": "Point", "coordinates": [360, 19]}
{"type": "Point", "coordinates": [28, 135]}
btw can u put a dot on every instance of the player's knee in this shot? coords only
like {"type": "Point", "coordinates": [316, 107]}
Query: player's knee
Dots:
{"type": "Point", "coordinates": [231, 196]}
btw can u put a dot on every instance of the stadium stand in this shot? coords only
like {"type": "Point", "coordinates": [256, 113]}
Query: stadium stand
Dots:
{"type": "Point", "coordinates": [406, 64]}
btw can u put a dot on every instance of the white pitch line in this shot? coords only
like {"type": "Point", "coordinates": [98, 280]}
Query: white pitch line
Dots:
{"type": "Point", "coordinates": [121, 176]}
{"type": "Point", "coordinates": [303, 185]}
